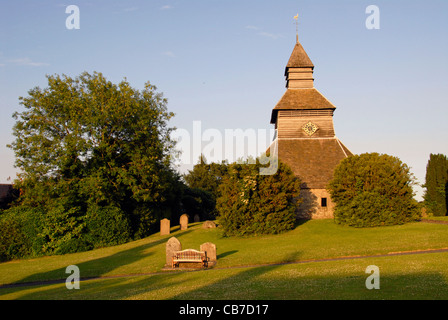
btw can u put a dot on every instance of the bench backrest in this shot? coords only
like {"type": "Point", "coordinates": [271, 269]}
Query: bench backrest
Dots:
{"type": "Point", "coordinates": [189, 254]}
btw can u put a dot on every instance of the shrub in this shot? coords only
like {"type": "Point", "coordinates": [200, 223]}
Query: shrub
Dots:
{"type": "Point", "coordinates": [12, 239]}
{"type": "Point", "coordinates": [63, 226]}
{"type": "Point", "coordinates": [373, 190]}
{"type": "Point", "coordinates": [106, 226]}
{"type": "Point", "coordinates": [252, 204]}
{"type": "Point", "coordinates": [19, 237]}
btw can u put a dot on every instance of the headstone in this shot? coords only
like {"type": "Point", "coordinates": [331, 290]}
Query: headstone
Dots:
{"type": "Point", "coordinates": [164, 227]}
{"type": "Point", "coordinates": [424, 213]}
{"type": "Point", "coordinates": [172, 245]}
{"type": "Point", "coordinates": [208, 225]}
{"type": "Point", "coordinates": [210, 251]}
{"type": "Point", "coordinates": [183, 222]}
{"type": "Point", "coordinates": [197, 218]}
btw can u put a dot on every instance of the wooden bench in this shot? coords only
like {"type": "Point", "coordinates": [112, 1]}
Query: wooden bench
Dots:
{"type": "Point", "coordinates": [189, 255]}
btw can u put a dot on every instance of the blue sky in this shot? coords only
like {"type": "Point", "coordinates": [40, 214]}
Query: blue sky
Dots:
{"type": "Point", "coordinates": [222, 63]}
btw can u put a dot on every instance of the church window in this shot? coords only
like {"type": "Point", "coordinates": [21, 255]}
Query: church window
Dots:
{"type": "Point", "coordinates": [323, 202]}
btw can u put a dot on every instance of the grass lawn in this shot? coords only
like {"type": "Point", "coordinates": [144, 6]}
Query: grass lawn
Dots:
{"type": "Point", "coordinates": [444, 219]}
{"type": "Point", "coordinates": [243, 270]}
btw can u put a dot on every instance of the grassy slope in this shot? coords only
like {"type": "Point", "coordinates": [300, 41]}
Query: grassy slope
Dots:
{"type": "Point", "coordinates": [402, 277]}
{"type": "Point", "coordinates": [422, 276]}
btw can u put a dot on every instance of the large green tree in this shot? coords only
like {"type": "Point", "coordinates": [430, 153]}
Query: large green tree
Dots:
{"type": "Point", "coordinates": [253, 204]}
{"type": "Point", "coordinates": [207, 177]}
{"type": "Point", "coordinates": [436, 184]}
{"type": "Point", "coordinates": [91, 149]}
{"type": "Point", "coordinates": [373, 189]}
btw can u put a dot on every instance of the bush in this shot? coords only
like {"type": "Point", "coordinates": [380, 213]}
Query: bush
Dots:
{"type": "Point", "coordinates": [19, 237]}
{"type": "Point", "coordinates": [13, 242]}
{"type": "Point", "coordinates": [106, 226]}
{"type": "Point", "coordinates": [63, 226]}
{"type": "Point", "coordinates": [252, 204]}
{"type": "Point", "coordinates": [373, 190]}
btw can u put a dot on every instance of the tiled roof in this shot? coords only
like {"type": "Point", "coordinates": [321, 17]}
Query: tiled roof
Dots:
{"type": "Point", "coordinates": [301, 99]}
{"type": "Point", "coordinates": [299, 58]}
{"type": "Point", "coordinates": [312, 160]}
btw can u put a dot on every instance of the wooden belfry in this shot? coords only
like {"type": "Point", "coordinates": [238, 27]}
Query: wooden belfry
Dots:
{"type": "Point", "coordinates": [305, 137]}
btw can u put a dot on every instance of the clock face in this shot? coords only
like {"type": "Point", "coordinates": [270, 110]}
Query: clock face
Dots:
{"type": "Point", "coordinates": [310, 128]}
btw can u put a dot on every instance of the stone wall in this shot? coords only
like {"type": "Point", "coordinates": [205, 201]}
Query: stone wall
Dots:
{"type": "Point", "coordinates": [311, 206]}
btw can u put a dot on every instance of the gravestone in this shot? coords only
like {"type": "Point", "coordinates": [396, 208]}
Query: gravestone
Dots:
{"type": "Point", "coordinates": [197, 218]}
{"type": "Point", "coordinates": [210, 251]}
{"type": "Point", "coordinates": [183, 222]}
{"type": "Point", "coordinates": [208, 225]}
{"type": "Point", "coordinates": [172, 245]}
{"type": "Point", "coordinates": [424, 213]}
{"type": "Point", "coordinates": [164, 227]}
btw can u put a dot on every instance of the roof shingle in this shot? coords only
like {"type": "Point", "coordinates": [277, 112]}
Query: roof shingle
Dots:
{"type": "Point", "coordinates": [299, 58]}
{"type": "Point", "coordinates": [312, 160]}
{"type": "Point", "coordinates": [301, 99]}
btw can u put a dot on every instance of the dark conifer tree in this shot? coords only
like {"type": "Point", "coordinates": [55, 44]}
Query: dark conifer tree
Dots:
{"type": "Point", "coordinates": [436, 185]}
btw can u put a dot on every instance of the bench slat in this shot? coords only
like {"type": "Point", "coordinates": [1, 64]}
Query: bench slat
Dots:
{"type": "Point", "coordinates": [189, 255]}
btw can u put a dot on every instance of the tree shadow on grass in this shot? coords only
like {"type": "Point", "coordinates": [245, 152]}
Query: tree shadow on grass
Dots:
{"type": "Point", "coordinates": [288, 281]}
{"type": "Point", "coordinates": [98, 267]}
{"type": "Point", "coordinates": [255, 283]}
{"type": "Point", "coordinates": [112, 288]}
{"type": "Point", "coordinates": [170, 285]}
{"type": "Point", "coordinates": [273, 283]}
{"type": "Point", "coordinates": [228, 287]}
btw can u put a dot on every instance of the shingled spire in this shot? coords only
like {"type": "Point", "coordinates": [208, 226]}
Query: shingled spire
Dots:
{"type": "Point", "coordinates": [299, 70]}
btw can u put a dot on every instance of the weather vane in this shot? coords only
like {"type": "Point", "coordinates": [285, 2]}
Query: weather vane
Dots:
{"type": "Point", "coordinates": [296, 17]}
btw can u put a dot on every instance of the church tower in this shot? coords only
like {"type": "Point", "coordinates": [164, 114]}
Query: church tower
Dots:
{"type": "Point", "coordinates": [305, 137]}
